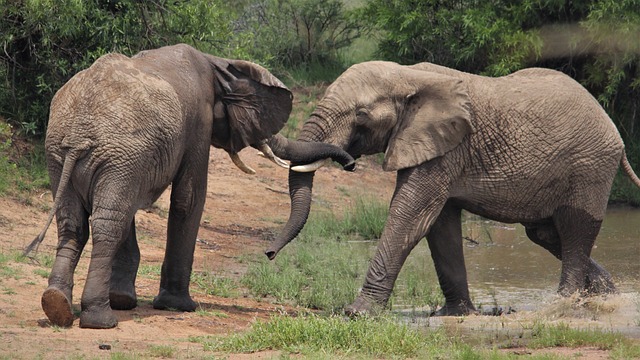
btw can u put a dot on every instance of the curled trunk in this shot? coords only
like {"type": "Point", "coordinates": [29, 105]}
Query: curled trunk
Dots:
{"type": "Point", "coordinates": [303, 152]}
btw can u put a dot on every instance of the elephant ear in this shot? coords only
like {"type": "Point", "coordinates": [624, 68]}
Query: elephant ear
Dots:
{"type": "Point", "coordinates": [435, 119]}
{"type": "Point", "coordinates": [255, 103]}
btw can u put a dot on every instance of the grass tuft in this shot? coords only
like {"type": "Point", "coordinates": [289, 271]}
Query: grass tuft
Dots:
{"type": "Point", "coordinates": [544, 335]}
{"type": "Point", "coordinates": [310, 334]}
{"type": "Point", "coordinates": [212, 284]}
{"type": "Point", "coordinates": [324, 268]}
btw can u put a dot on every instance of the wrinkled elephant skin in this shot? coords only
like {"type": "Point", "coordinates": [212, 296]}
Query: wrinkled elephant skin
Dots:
{"type": "Point", "coordinates": [119, 133]}
{"type": "Point", "coordinates": [533, 148]}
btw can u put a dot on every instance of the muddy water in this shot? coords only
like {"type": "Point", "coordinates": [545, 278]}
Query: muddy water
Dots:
{"type": "Point", "coordinates": [506, 265]}
{"type": "Point", "coordinates": [507, 270]}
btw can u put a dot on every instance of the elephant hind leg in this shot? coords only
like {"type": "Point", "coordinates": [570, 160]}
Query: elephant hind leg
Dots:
{"type": "Point", "coordinates": [73, 232]}
{"type": "Point", "coordinates": [110, 227]}
{"type": "Point", "coordinates": [545, 235]}
{"type": "Point", "coordinates": [122, 292]}
{"type": "Point", "coordinates": [597, 280]}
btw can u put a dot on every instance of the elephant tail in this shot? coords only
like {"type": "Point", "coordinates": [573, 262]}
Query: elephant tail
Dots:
{"type": "Point", "coordinates": [67, 168]}
{"type": "Point", "coordinates": [626, 166]}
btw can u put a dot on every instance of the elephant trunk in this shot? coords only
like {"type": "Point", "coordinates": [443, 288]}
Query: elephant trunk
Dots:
{"type": "Point", "coordinates": [303, 152]}
{"type": "Point", "coordinates": [300, 185]}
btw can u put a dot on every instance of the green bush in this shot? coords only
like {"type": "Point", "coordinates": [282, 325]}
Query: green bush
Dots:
{"type": "Point", "coordinates": [20, 173]}
{"type": "Point", "coordinates": [294, 34]}
{"type": "Point", "coordinates": [593, 41]}
{"type": "Point", "coordinates": [45, 42]}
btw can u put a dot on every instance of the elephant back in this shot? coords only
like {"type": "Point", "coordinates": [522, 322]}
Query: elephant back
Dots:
{"type": "Point", "coordinates": [113, 102]}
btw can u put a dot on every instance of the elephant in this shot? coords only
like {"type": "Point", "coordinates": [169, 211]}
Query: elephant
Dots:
{"type": "Point", "coordinates": [533, 147]}
{"type": "Point", "coordinates": [119, 133]}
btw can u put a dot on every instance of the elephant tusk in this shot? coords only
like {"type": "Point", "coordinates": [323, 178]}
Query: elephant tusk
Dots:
{"type": "Point", "coordinates": [266, 152]}
{"type": "Point", "coordinates": [240, 164]}
{"type": "Point", "coordinates": [311, 167]}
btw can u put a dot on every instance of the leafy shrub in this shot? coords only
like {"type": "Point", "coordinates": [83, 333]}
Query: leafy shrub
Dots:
{"type": "Point", "coordinates": [45, 42]}
{"type": "Point", "coordinates": [298, 33]}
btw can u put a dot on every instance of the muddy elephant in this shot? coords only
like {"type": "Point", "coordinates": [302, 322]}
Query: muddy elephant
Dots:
{"type": "Point", "coordinates": [533, 148]}
{"type": "Point", "coordinates": [119, 133]}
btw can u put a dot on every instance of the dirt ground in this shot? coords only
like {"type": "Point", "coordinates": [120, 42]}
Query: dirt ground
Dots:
{"type": "Point", "coordinates": [242, 213]}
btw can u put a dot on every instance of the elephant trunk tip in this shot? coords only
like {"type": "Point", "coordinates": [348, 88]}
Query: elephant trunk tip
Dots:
{"type": "Point", "coordinates": [271, 254]}
{"type": "Point", "coordinates": [351, 166]}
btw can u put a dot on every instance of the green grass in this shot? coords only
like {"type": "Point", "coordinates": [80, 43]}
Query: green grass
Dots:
{"type": "Point", "coordinates": [363, 220]}
{"type": "Point", "coordinates": [211, 313]}
{"type": "Point", "coordinates": [6, 270]}
{"type": "Point", "coordinates": [319, 276]}
{"type": "Point", "coordinates": [328, 337]}
{"type": "Point", "coordinates": [27, 174]}
{"type": "Point", "coordinates": [149, 271]}
{"type": "Point", "coordinates": [41, 272]}
{"type": "Point", "coordinates": [545, 336]}
{"type": "Point", "coordinates": [162, 351]}
{"type": "Point", "coordinates": [214, 284]}
{"type": "Point", "coordinates": [324, 267]}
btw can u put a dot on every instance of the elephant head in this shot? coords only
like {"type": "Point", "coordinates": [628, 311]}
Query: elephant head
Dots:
{"type": "Point", "coordinates": [411, 115]}
{"type": "Point", "coordinates": [253, 107]}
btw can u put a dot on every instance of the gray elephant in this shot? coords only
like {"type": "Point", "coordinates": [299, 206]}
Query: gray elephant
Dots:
{"type": "Point", "coordinates": [119, 133]}
{"type": "Point", "coordinates": [533, 148]}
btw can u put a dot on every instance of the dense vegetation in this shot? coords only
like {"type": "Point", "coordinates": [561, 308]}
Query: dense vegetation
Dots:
{"type": "Point", "coordinates": [45, 42]}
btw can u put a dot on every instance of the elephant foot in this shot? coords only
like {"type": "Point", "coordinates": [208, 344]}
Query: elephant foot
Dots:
{"type": "Point", "coordinates": [167, 301]}
{"type": "Point", "coordinates": [599, 281]}
{"type": "Point", "coordinates": [98, 318]}
{"type": "Point", "coordinates": [363, 306]}
{"type": "Point", "coordinates": [57, 307]}
{"type": "Point", "coordinates": [461, 308]}
{"type": "Point", "coordinates": [122, 300]}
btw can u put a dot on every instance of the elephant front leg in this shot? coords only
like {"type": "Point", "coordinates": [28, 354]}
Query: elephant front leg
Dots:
{"type": "Point", "coordinates": [445, 243]}
{"type": "Point", "coordinates": [122, 293]}
{"type": "Point", "coordinates": [185, 212]}
{"type": "Point", "coordinates": [414, 208]}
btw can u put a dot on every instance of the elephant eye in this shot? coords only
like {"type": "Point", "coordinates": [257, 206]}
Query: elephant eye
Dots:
{"type": "Point", "coordinates": [362, 117]}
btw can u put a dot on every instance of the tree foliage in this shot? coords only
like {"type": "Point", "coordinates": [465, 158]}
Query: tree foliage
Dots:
{"type": "Point", "coordinates": [594, 41]}
{"type": "Point", "coordinates": [45, 42]}
{"type": "Point", "coordinates": [293, 33]}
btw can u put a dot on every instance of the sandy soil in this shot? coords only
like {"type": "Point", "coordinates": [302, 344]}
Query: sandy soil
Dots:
{"type": "Point", "coordinates": [242, 213]}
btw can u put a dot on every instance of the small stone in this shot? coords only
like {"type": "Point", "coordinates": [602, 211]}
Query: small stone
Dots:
{"type": "Point", "coordinates": [104, 347]}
